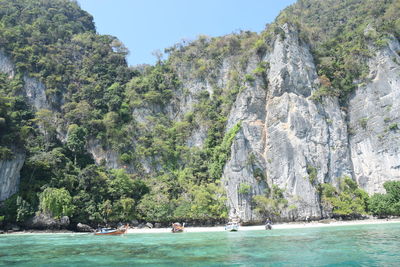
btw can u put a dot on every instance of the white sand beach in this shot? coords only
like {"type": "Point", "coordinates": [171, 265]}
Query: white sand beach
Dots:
{"type": "Point", "coordinates": [294, 225]}
{"type": "Point", "coordinates": [189, 229]}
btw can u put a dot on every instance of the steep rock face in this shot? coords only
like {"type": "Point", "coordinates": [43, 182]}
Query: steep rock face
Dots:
{"type": "Point", "coordinates": [301, 133]}
{"type": "Point", "coordinates": [9, 169]}
{"type": "Point", "coordinates": [247, 149]}
{"type": "Point", "coordinates": [285, 132]}
{"type": "Point", "coordinates": [9, 175]}
{"type": "Point", "coordinates": [35, 92]}
{"type": "Point", "coordinates": [34, 89]}
{"type": "Point", "coordinates": [374, 117]}
{"type": "Point", "coordinates": [6, 66]}
{"type": "Point", "coordinates": [99, 154]}
{"type": "Point", "coordinates": [186, 99]}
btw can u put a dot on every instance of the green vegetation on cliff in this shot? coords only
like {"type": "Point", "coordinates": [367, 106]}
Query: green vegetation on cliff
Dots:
{"type": "Point", "coordinates": [348, 200]}
{"type": "Point", "coordinates": [272, 204]}
{"type": "Point", "coordinates": [341, 34]}
{"type": "Point", "coordinates": [92, 96]}
{"type": "Point", "coordinates": [15, 117]}
{"type": "Point", "coordinates": [129, 115]}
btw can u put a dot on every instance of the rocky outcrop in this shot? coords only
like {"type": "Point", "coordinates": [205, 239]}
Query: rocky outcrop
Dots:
{"type": "Point", "coordinates": [34, 89]}
{"type": "Point", "coordinates": [301, 133]}
{"type": "Point", "coordinates": [6, 65]}
{"type": "Point", "coordinates": [43, 221]}
{"type": "Point", "coordinates": [35, 92]}
{"type": "Point", "coordinates": [283, 133]}
{"type": "Point", "coordinates": [80, 227]}
{"type": "Point", "coordinates": [247, 149]}
{"type": "Point", "coordinates": [9, 175]}
{"type": "Point", "coordinates": [109, 157]}
{"type": "Point", "coordinates": [374, 120]}
{"type": "Point", "coordinates": [149, 225]}
{"type": "Point", "coordinates": [101, 155]}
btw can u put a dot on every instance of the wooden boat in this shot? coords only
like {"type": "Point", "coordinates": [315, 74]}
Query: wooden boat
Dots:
{"type": "Point", "coordinates": [177, 228]}
{"type": "Point", "coordinates": [232, 226]}
{"type": "Point", "coordinates": [112, 231]}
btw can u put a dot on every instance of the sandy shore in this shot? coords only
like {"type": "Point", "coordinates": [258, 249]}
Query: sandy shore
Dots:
{"type": "Point", "coordinates": [188, 229]}
{"type": "Point", "coordinates": [296, 225]}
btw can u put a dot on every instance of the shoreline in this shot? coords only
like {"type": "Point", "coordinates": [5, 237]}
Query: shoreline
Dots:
{"type": "Point", "coordinates": [189, 229]}
{"type": "Point", "coordinates": [292, 225]}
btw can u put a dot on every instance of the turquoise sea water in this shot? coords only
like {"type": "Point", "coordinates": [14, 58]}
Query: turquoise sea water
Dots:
{"type": "Point", "coordinates": [367, 245]}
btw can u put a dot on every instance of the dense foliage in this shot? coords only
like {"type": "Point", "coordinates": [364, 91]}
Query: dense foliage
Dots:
{"type": "Point", "coordinates": [346, 201]}
{"type": "Point", "coordinates": [15, 116]}
{"type": "Point", "coordinates": [384, 205]}
{"type": "Point", "coordinates": [56, 201]}
{"type": "Point", "coordinates": [271, 204]}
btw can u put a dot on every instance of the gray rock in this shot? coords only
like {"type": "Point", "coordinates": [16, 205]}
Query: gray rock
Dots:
{"type": "Point", "coordinates": [6, 66]}
{"type": "Point", "coordinates": [149, 225]}
{"type": "Point", "coordinates": [35, 92]}
{"type": "Point", "coordinates": [283, 132]}
{"type": "Point", "coordinates": [44, 221]}
{"type": "Point", "coordinates": [135, 223]}
{"type": "Point", "coordinates": [34, 89]}
{"type": "Point", "coordinates": [100, 154]}
{"type": "Point", "coordinates": [9, 175]}
{"type": "Point", "coordinates": [157, 225]}
{"type": "Point", "coordinates": [373, 110]}
{"type": "Point", "coordinates": [80, 227]}
{"type": "Point", "coordinates": [15, 228]}
{"type": "Point", "coordinates": [64, 221]}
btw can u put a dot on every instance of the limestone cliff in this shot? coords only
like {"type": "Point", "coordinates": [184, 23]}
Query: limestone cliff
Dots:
{"type": "Point", "coordinates": [9, 175]}
{"type": "Point", "coordinates": [6, 66]}
{"type": "Point", "coordinates": [36, 96]}
{"type": "Point", "coordinates": [374, 120]}
{"type": "Point", "coordinates": [34, 89]}
{"type": "Point", "coordinates": [284, 132]}
{"type": "Point", "coordinates": [290, 132]}
{"type": "Point", "coordinates": [288, 138]}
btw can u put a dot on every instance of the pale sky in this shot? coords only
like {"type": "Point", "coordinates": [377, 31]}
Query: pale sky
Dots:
{"type": "Point", "coordinates": [148, 25]}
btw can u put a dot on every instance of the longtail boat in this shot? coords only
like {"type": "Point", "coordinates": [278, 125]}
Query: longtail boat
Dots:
{"type": "Point", "coordinates": [177, 228]}
{"type": "Point", "coordinates": [232, 226]}
{"type": "Point", "coordinates": [112, 231]}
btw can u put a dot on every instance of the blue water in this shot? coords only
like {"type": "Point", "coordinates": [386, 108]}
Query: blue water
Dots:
{"type": "Point", "coordinates": [367, 245]}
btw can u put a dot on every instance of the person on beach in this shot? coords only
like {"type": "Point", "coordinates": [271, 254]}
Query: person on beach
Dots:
{"type": "Point", "coordinates": [268, 224]}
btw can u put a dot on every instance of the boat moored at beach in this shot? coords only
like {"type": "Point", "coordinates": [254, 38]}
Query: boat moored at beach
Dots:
{"type": "Point", "coordinates": [112, 231]}
{"type": "Point", "coordinates": [232, 226]}
{"type": "Point", "coordinates": [177, 228]}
